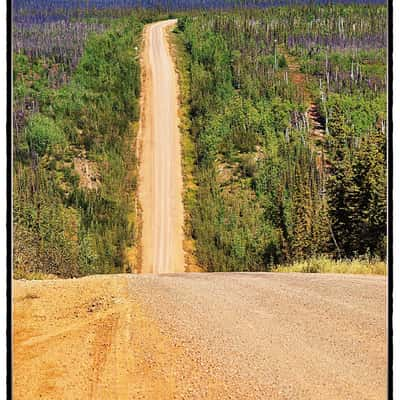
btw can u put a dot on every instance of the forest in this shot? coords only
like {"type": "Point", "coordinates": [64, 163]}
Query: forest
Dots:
{"type": "Point", "coordinates": [73, 132]}
{"type": "Point", "coordinates": [288, 132]}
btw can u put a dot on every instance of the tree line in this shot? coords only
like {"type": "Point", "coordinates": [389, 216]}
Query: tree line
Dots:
{"type": "Point", "coordinates": [263, 197]}
{"type": "Point", "coordinates": [62, 225]}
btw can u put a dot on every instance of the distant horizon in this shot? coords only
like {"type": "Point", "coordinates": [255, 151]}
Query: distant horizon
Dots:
{"type": "Point", "coordinates": [178, 4]}
{"type": "Point", "coordinates": [47, 11]}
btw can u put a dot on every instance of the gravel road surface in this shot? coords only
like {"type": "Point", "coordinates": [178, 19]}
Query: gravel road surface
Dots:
{"type": "Point", "coordinates": [160, 183]}
{"type": "Point", "coordinates": [201, 336]}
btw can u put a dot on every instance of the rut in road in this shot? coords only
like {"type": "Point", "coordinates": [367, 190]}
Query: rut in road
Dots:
{"type": "Point", "coordinates": [160, 184]}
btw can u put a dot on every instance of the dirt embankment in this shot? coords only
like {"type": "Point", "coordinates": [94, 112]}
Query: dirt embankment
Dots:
{"type": "Point", "coordinates": [90, 339]}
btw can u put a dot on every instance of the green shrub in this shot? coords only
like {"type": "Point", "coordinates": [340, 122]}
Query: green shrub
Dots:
{"type": "Point", "coordinates": [43, 135]}
{"type": "Point", "coordinates": [282, 63]}
{"type": "Point", "coordinates": [62, 227]}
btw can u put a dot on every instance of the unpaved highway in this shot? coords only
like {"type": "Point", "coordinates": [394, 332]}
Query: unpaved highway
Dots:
{"type": "Point", "coordinates": [160, 183]}
{"type": "Point", "coordinates": [201, 336]}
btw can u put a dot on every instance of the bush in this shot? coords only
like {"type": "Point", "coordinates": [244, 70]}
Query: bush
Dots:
{"type": "Point", "coordinates": [43, 135]}
{"type": "Point", "coordinates": [282, 63]}
{"type": "Point", "coordinates": [324, 264]}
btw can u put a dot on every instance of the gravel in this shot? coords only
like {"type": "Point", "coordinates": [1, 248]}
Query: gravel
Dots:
{"type": "Point", "coordinates": [283, 336]}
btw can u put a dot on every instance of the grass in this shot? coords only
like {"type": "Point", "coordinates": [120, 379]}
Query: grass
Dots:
{"type": "Point", "coordinates": [327, 265]}
{"type": "Point", "coordinates": [32, 276]}
{"type": "Point", "coordinates": [188, 147]}
{"type": "Point", "coordinates": [182, 61]}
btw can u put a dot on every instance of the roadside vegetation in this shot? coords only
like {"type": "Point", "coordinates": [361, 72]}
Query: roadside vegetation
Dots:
{"type": "Point", "coordinates": [182, 63]}
{"type": "Point", "coordinates": [328, 265]}
{"type": "Point", "coordinates": [74, 171]}
{"type": "Point", "coordinates": [290, 159]}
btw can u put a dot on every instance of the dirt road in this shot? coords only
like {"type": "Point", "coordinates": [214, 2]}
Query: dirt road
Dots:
{"type": "Point", "coordinates": [201, 336]}
{"type": "Point", "coordinates": [160, 184]}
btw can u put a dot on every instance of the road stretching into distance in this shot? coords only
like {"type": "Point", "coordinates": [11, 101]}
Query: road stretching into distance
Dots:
{"type": "Point", "coordinates": [221, 336]}
{"type": "Point", "coordinates": [160, 183]}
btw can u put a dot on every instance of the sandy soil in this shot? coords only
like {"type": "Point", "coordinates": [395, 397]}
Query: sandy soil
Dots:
{"type": "Point", "coordinates": [160, 175]}
{"type": "Point", "coordinates": [201, 336]}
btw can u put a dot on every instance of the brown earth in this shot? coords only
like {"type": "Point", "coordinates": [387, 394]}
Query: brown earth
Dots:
{"type": "Point", "coordinates": [317, 131]}
{"type": "Point", "coordinates": [89, 177]}
{"type": "Point", "coordinates": [89, 339]}
{"type": "Point", "coordinates": [201, 336]}
{"type": "Point", "coordinates": [160, 175]}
